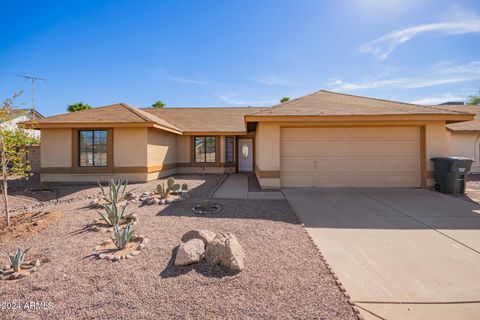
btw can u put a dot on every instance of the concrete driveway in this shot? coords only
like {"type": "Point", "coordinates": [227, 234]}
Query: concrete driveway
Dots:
{"type": "Point", "coordinates": [400, 253]}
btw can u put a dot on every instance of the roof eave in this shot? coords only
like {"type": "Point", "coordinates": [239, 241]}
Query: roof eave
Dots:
{"type": "Point", "coordinates": [59, 125]}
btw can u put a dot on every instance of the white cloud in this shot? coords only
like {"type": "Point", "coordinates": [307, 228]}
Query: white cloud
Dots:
{"type": "Point", "coordinates": [386, 44]}
{"type": "Point", "coordinates": [200, 80]}
{"type": "Point", "coordinates": [274, 80]}
{"type": "Point", "coordinates": [437, 99]}
{"type": "Point", "coordinates": [440, 74]}
{"type": "Point", "coordinates": [234, 99]}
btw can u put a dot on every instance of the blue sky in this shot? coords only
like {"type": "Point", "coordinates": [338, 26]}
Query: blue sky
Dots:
{"type": "Point", "coordinates": [237, 53]}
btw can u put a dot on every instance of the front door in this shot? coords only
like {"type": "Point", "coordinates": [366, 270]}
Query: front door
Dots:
{"type": "Point", "coordinates": [245, 155]}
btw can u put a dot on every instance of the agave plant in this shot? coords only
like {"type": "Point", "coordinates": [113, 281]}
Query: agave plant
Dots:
{"type": "Point", "coordinates": [163, 191]}
{"type": "Point", "coordinates": [122, 237]}
{"type": "Point", "coordinates": [113, 214]}
{"type": "Point", "coordinates": [116, 189]}
{"type": "Point", "coordinates": [17, 259]}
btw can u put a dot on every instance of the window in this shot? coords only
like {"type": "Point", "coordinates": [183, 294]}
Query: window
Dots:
{"type": "Point", "coordinates": [229, 145]}
{"type": "Point", "coordinates": [92, 148]}
{"type": "Point", "coordinates": [205, 148]}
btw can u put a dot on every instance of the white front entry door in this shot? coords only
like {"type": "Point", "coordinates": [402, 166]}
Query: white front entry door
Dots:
{"type": "Point", "coordinates": [245, 155]}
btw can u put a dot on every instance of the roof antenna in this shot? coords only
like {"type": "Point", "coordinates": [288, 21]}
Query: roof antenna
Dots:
{"type": "Point", "coordinates": [33, 79]}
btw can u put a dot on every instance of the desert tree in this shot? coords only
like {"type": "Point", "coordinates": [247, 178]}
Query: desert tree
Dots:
{"type": "Point", "coordinates": [78, 106]}
{"type": "Point", "coordinates": [284, 99]}
{"type": "Point", "coordinates": [13, 148]}
{"type": "Point", "coordinates": [474, 99]}
{"type": "Point", "coordinates": [158, 104]}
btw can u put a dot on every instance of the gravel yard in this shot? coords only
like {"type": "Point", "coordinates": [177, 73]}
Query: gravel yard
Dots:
{"type": "Point", "coordinates": [284, 277]}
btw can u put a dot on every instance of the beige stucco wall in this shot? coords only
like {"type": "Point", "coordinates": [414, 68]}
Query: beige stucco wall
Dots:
{"type": "Point", "coordinates": [183, 149]}
{"type": "Point", "coordinates": [435, 146]}
{"type": "Point", "coordinates": [465, 144]}
{"type": "Point", "coordinates": [162, 147]}
{"type": "Point", "coordinates": [56, 148]}
{"type": "Point", "coordinates": [267, 147]}
{"type": "Point", "coordinates": [130, 147]}
{"type": "Point", "coordinates": [267, 152]}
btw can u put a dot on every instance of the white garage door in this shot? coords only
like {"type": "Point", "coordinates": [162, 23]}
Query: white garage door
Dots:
{"type": "Point", "coordinates": [350, 157]}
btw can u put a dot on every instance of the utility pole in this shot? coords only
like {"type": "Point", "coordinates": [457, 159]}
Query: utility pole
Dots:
{"type": "Point", "coordinates": [33, 79]}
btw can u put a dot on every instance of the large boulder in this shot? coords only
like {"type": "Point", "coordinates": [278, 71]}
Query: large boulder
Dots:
{"type": "Point", "coordinates": [190, 252]}
{"type": "Point", "coordinates": [205, 235]}
{"type": "Point", "coordinates": [225, 250]}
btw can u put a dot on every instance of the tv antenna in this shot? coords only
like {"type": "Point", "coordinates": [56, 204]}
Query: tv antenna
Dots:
{"type": "Point", "coordinates": [33, 79]}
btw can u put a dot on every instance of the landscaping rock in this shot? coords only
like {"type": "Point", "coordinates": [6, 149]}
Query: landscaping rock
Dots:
{"type": "Point", "coordinates": [205, 235]}
{"type": "Point", "coordinates": [190, 252]}
{"type": "Point", "coordinates": [225, 250]}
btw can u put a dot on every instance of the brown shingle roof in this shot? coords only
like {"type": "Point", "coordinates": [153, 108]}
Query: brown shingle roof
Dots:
{"type": "Point", "coordinates": [473, 125]}
{"type": "Point", "coordinates": [327, 103]}
{"type": "Point", "coordinates": [205, 119]}
{"type": "Point", "coordinates": [115, 113]}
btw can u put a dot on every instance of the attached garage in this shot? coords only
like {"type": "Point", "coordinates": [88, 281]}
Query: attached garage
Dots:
{"type": "Point", "coordinates": [350, 157]}
{"type": "Point", "coordinates": [328, 139]}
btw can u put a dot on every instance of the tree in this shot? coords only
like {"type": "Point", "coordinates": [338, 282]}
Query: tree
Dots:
{"type": "Point", "coordinates": [158, 104]}
{"type": "Point", "coordinates": [13, 149]}
{"type": "Point", "coordinates": [78, 106]}
{"type": "Point", "coordinates": [474, 99]}
{"type": "Point", "coordinates": [284, 99]}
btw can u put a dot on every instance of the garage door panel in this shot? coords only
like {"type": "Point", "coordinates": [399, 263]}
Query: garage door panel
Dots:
{"type": "Point", "coordinates": [342, 157]}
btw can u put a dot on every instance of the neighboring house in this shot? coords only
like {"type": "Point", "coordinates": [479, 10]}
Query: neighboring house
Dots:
{"type": "Point", "coordinates": [23, 115]}
{"type": "Point", "coordinates": [464, 138]}
{"type": "Point", "coordinates": [322, 139]}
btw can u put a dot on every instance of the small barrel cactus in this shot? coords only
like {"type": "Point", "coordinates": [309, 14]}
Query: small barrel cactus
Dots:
{"type": "Point", "coordinates": [184, 187]}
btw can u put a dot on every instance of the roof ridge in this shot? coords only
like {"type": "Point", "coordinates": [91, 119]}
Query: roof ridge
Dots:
{"type": "Point", "coordinates": [288, 102]}
{"type": "Point", "coordinates": [148, 117]}
{"type": "Point", "coordinates": [170, 108]}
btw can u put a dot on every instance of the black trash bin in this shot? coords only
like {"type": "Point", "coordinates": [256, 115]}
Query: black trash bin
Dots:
{"type": "Point", "coordinates": [451, 174]}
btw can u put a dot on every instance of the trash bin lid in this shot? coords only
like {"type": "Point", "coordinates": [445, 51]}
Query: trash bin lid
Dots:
{"type": "Point", "coordinates": [451, 159]}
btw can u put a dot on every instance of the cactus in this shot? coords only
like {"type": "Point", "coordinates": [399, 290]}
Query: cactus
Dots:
{"type": "Point", "coordinates": [17, 259]}
{"type": "Point", "coordinates": [172, 186]}
{"type": "Point", "coordinates": [163, 191]}
{"type": "Point", "coordinates": [184, 186]}
{"type": "Point", "coordinates": [122, 238]}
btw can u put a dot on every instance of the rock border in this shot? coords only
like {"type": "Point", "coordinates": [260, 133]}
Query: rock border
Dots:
{"type": "Point", "coordinates": [142, 242]}
{"type": "Point", "coordinates": [7, 272]}
{"type": "Point", "coordinates": [336, 280]}
{"type": "Point", "coordinates": [198, 209]}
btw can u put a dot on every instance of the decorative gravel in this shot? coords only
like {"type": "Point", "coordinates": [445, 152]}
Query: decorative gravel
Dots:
{"type": "Point", "coordinates": [284, 277]}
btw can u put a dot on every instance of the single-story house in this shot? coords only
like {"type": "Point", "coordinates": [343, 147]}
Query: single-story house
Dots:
{"type": "Point", "coordinates": [323, 139]}
{"type": "Point", "coordinates": [463, 138]}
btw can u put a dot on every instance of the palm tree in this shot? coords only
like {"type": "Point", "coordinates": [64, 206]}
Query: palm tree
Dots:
{"type": "Point", "coordinates": [158, 104]}
{"type": "Point", "coordinates": [78, 106]}
{"type": "Point", "coordinates": [284, 99]}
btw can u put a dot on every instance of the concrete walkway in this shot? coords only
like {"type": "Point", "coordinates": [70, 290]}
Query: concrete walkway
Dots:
{"type": "Point", "coordinates": [400, 253]}
{"type": "Point", "coordinates": [236, 187]}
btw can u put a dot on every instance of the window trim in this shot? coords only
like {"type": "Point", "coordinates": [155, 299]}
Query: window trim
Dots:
{"type": "Point", "coordinates": [233, 149]}
{"type": "Point", "coordinates": [93, 157]}
{"type": "Point", "coordinates": [75, 168]}
{"type": "Point", "coordinates": [205, 149]}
